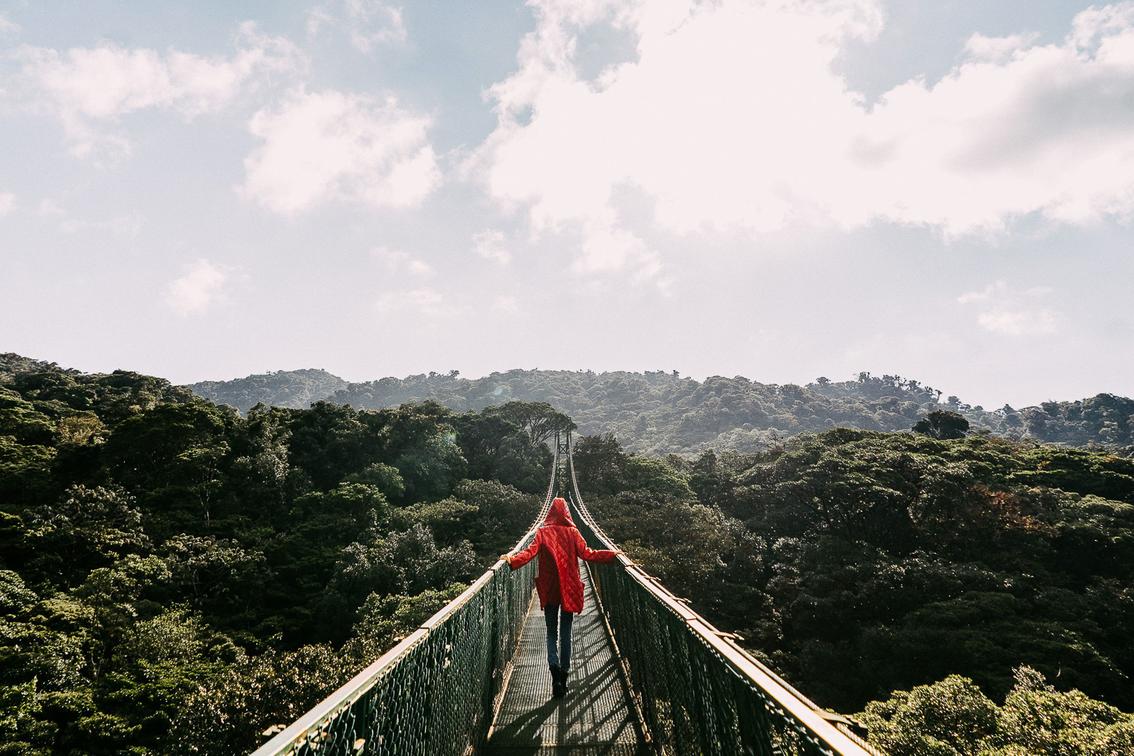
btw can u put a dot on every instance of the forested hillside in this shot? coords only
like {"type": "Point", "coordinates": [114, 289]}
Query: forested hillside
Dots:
{"type": "Point", "coordinates": [658, 412]}
{"type": "Point", "coordinates": [861, 563]}
{"type": "Point", "coordinates": [297, 389]}
{"type": "Point", "coordinates": [176, 578]}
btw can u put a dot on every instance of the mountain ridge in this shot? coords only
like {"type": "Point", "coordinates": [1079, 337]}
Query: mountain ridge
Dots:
{"type": "Point", "coordinates": [660, 412]}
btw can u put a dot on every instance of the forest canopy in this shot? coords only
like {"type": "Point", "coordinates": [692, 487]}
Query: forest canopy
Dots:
{"type": "Point", "coordinates": [861, 565]}
{"type": "Point", "coordinates": [659, 412]}
{"type": "Point", "coordinates": [178, 577]}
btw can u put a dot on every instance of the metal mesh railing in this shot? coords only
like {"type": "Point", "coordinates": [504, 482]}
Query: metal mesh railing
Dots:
{"type": "Point", "coordinates": [434, 693]}
{"type": "Point", "coordinates": [696, 690]}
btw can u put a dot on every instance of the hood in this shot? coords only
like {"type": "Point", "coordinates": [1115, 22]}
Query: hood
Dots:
{"type": "Point", "coordinates": [558, 514]}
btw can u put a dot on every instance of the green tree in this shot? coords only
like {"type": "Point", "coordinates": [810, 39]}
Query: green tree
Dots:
{"type": "Point", "coordinates": [431, 470]}
{"type": "Point", "coordinates": [950, 718]}
{"type": "Point", "coordinates": [942, 424]}
{"type": "Point", "coordinates": [219, 574]}
{"type": "Point", "coordinates": [256, 697]}
{"type": "Point", "coordinates": [599, 464]}
{"type": "Point", "coordinates": [385, 620]}
{"type": "Point", "coordinates": [954, 718]}
{"type": "Point", "coordinates": [86, 528]}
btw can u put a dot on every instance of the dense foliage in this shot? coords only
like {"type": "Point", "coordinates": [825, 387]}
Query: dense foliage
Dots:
{"type": "Point", "coordinates": [297, 389]}
{"type": "Point", "coordinates": [954, 717]}
{"type": "Point", "coordinates": [659, 412]}
{"type": "Point", "coordinates": [857, 563]}
{"type": "Point", "coordinates": [176, 578]}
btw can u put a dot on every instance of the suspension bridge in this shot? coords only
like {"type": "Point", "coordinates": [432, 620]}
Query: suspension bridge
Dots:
{"type": "Point", "coordinates": [649, 676]}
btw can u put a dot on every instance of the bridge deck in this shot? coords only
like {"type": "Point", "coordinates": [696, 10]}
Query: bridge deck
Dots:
{"type": "Point", "coordinates": [596, 715]}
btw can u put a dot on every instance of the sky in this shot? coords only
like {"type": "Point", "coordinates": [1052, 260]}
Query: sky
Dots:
{"type": "Point", "coordinates": [780, 189]}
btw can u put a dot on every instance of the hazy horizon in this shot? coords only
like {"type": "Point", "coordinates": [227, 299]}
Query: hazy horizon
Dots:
{"type": "Point", "coordinates": [779, 189]}
{"type": "Point", "coordinates": [699, 378]}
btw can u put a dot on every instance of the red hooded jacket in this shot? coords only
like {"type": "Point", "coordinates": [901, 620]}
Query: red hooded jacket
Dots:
{"type": "Point", "coordinates": [560, 545]}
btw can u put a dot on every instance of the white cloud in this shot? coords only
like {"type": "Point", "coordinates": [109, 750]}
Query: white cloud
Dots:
{"type": "Point", "coordinates": [732, 117]}
{"type": "Point", "coordinates": [397, 261]}
{"type": "Point", "coordinates": [607, 248]}
{"type": "Point", "coordinates": [126, 226]}
{"type": "Point", "coordinates": [506, 304]}
{"type": "Point", "coordinates": [1000, 290]}
{"type": "Point", "coordinates": [997, 49]}
{"type": "Point", "coordinates": [423, 301]}
{"type": "Point", "coordinates": [1019, 322]}
{"type": "Point", "coordinates": [193, 292]}
{"type": "Point", "coordinates": [489, 244]}
{"type": "Point", "coordinates": [1011, 312]}
{"type": "Point", "coordinates": [322, 146]}
{"type": "Point", "coordinates": [7, 203]}
{"type": "Point", "coordinates": [49, 208]}
{"type": "Point", "coordinates": [90, 89]}
{"type": "Point", "coordinates": [368, 23]}
{"type": "Point", "coordinates": [420, 268]}
{"type": "Point", "coordinates": [982, 295]}
{"type": "Point", "coordinates": [1092, 25]}
{"type": "Point", "coordinates": [318, 18]}
{"type": "Point", "coordinates": [7, 26]}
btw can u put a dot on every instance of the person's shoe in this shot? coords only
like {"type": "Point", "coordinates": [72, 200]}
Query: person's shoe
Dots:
{"type": "Point", "coordinates": [555, 684]}
{"type": "Point", "coordinates": [562, 682]}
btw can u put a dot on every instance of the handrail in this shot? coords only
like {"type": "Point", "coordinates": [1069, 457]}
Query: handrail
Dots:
{"type": "Point", "coordinates": [347, 721]}
{"type": "Point", "coordinates": [776, 719]}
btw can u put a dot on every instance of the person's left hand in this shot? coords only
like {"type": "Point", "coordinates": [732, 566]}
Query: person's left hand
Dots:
{"type": "Point", "coordinates": [506, 558]}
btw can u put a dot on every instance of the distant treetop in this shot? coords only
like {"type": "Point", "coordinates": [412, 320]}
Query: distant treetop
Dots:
{"type": "Point", "coordinates": [662, 412]}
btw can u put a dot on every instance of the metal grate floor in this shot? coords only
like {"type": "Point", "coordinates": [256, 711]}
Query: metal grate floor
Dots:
{"type": "Point", "coordinates": [594, 719]}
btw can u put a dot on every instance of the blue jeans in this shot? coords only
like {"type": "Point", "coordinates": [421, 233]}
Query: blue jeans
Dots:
{"type": "Point", "coordinates": [558, 636]}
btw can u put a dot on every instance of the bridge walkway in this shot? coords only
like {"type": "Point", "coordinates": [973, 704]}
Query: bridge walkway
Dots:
{"type": "Point", "coordinates": [596, 717]}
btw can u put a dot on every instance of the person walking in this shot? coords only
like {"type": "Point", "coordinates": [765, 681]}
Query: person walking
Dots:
{"type": "Point", "coordinates": [559, 545]}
